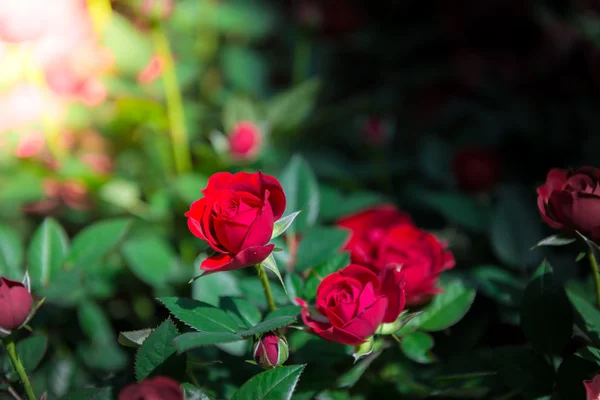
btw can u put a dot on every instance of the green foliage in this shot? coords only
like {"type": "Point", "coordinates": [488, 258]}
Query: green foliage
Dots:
{"type": "Point", "coordinates": [302, 193]}
{"type": "Point", "coordinates": [156, 356]}
{"type": "Point", "coordinates": [46, 252]}
{"type": "Point", "coordinates": [318, 244]}
{"type": "Point", "coordinates": [275, 384]}
{"type": "Point", "coordinates": [151, 259]}
{"type": "Point", "coordinates": [11, 253]}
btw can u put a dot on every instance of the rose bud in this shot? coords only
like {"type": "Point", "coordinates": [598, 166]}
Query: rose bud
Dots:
{"type": "Point", "coordinates": [352, 303]}
{"type": "Point", "coordinates": [160, 387]}
{"type": "Point", "coordinates": [245, 141]}
{"type": "Point", "coordinates": [570, 201]}
{"type": "Point", "coordinates": [422, 257]}
{"type": "Point", "coordinates": [16, 304]}
{"type": "Point", "coordinates": [270, 350]}
{"type": "Point", "coordinates": [368, 227]}
{"type": "Point", "coordinates": [477, 170]}
{"type": "Point", "coordinates": [236, 217]}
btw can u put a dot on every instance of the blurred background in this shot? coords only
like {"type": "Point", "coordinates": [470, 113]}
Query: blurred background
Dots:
{"type": "Point", "coordinates": [454, 111]}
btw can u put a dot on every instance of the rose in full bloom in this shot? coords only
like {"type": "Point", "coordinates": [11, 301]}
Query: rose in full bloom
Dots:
{"type": "Point", "coordinates": [270, 350]}
{"type": "Point", "coordinates": [353, 302]}
{"type": "Point", "coordinates": [421, 256]}
{"type": "Point", "coordinates": [236, 217]}
{"type": "Point", "coordinates": [245, 141]}
{"type": "Point", "coordinates": [476, 170]}
{"type": "Point", "coordinates": [158, 388]}
{"type": "Point", "coordinates": [368, 228]}
{"type": "Point", "coordinates": [15, 304]}
{"type": "Point", "coordinates": [592, 388]}
{"type": "Point", "coordinates": [570, 201]}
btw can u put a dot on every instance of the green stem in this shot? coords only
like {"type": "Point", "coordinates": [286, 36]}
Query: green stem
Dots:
{"type": "Point", "coordinates": [179, 135]}
{"type": "Point", "coordinates": [11, 350]}
{"type": "Point", "coordinates": [594, 265]}
{"type": "Point", "coordinates": [262, 275]}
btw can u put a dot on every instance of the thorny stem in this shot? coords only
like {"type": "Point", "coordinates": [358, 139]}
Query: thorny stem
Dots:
{"type": "Point", "coordinates": [264, 280]}
{"type": "Point", "coordinates": [11, 350]}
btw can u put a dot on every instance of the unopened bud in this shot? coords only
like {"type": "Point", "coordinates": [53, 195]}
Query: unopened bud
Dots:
{"type": "Point", "coordinates": [16, 304]}
{"type": "Point", "coordinates": [270, 350]}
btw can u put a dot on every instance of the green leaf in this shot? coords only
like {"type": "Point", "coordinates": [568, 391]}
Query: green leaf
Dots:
{"type": "Point", "coordinates": [270, 264]}
{"type": "Point", "coordinates": [525, 371]}
{"type": "Point", "coordinates": [283, 224]}
{"type": "Point", "coordinates": [156, 353]}
{"type": "Point", "coordinates": [295, 285]}
{"type": "Point", "coordinates": [95, 241]}
{"type": "Point", "coordinates": [238, 109]}
{"type": "Point", "coordinates": [515, 226]}
{"type": "Point", "coordinates": [210, 288]}
{"type": "Point", "coordinates": [302, 193]}
{"type": "Point", "coordinates": [555, 240]}
{"type": "Point", "coordinates": [287, 311]}
{"type": "Point", "coordinates": [46, 252]}
{"type": "Point", "coordinates": [458, 208]}
{"type": "Point", "coordinates": [417, 346]}
{"type": "Point", "coordinates": [193, 340]}
{"type": "Point", "coordinates": [86, 394]}
{"type": "Point", "coordinates": [188, 186]}
{"type": "Point", "coordinates": [274, 384]}
{"type": "Point", "coordinates": [104, 357]}
{"type": "Point", "coordinates": [253, 291]}
{"type": "Point", "coordinates": [349, 379]}
{"type": "Point", "coordinates": [587, 317]}
{"type": "Point", "coordinates": [11, 253]}
{"type": "Point", "coordinates": [318, 245]}
{"type": "Point", "coordinates": [335, 204]}
{"type": "Point", "coordinates": [499, 284]}
{"type": "Point", "coordinates": [446, 309]}
{"type": "Point", "coordinates": [134, 338]}
{"type": "Point", "coordinates": [131, 55]}
{"type": "Point", "coordinates": [31, 351]}
{"type": "Point", "coordinates": [94, 322]}
{"type": "Point", "coordinates": [268, 325]}
{"type": "Point", "coordinates": [243, 311]}
{"type": "Point", "coordinates": [200, 316]}
{"type": "Point", "coordinates": [286, 111]}
{"type": "Point", "coordinates": [191, 392]}
{"type": "Point", "coordinates": [151, 259]}
{"type": "Point", "coordinates": [333, 264]}
{"type": "Point", "coordinates": [244, 69]}
{"type": "Point", "coordinates": [546, 316]}
{"type": "Point", "coordinates": [570, 375]}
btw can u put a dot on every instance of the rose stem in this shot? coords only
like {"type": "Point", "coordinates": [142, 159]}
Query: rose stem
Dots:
{"type": "Point", "coordinates": [179, 136]}
{"type": "Point", "coordinates": [11, 350]}
{"type": "Point", "coordinates": [262, 275]}
{"type": "Point", "coordinates": [594, 264]}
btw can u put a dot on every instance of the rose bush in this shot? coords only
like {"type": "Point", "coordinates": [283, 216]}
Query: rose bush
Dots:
{"type": "Point", "coordinates": [353, 302]}
{"type": "Point", "coordinates": [235, 217]}
{"type": "Point", "coordinates": [570, 200]}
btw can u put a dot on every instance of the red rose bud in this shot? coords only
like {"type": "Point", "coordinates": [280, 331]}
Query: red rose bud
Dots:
{"type": "Point", "coordinates": [15, 304]}
{"type": "Point", "coordinates": [570, 201]}
{"type": "Point", "coordinates": [352, 303]}
{"type": "Point", "coordinates": [592, 388]}
{"type": "Point", "coordinates": [236, 217]}
{"type": "Point", "coordinates": [158, 388]}
{"type": "Point", "coordinates": [270, 350]}
{"type": "Point", "coordinates": [245, 140]}
{"type": "Point", "coordinates": [421, 256]}
{"type": "Point", "coordinates": [376, 131]}
{"type": "Point", "coordinates": [477, 170]}
{"type": "Point", "coordinates": [367, 229]}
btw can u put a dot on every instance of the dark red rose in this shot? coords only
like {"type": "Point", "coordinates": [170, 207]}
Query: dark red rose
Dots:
{"type": "Point", "coordinates": [236, 217]}
{"type": "Point", "coordinates": [570, 201]}
{"type": "Point", "coordinates": [158, 388]}
{"type": "Point", "coordinates": [592, 388]}
{"type": "Point", "coordinates": [353, 302]}
{"type": "Point", "coordinates": [15, 304]}
{"type": "Point", "coordinates": [367, 229]}
{"type": "Point", "coordinates": [477, 170]}
{"type": "Point", "coordinates": [245, 141]}
{"type": "Point", "coordinates": [270, 350]}
{"type": "Point", "coordinates": [421, 256]}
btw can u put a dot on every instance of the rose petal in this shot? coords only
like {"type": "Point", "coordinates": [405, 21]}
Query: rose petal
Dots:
{"type": "Point", "coordinates": [261, 229]}
{"type": "Point", "coordinates": [216, 183]}
{"type": "Point", "coordinates": [392, 287]}
{"type": "Point", "coordinates": [245, 258]}
{"type": "Point", "coordinates": [366, 322]}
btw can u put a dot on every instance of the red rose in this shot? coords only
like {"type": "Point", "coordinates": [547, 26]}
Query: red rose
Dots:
{"type": "Point", "coordinates": [245, 140]}
{"type": "Point", "coordinates": [353, 302]}
{"type": "Point", "coordinates": [158, 388]}
{"type": "Point", "coordinates": [570, 200]}
{"type": "Point", "coordinates": [420, 255]}
{"type": "Point", "coordinates": [367, 229]}
{"type": "Point", "coordinates": [236, 217]}
{"type": "Point", "coordinates": [592, 388]}
{"type": "Point", "coordinates": [15, 304]}
{"type": "Point", "coordinates": [477, 170]}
